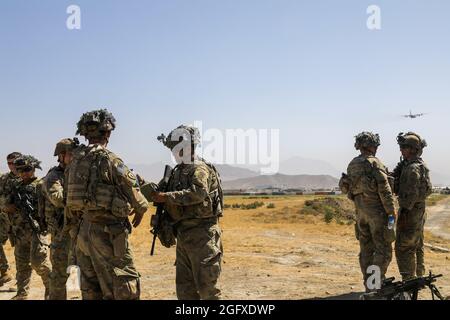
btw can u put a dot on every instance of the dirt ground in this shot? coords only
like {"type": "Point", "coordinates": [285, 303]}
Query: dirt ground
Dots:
{"type": "Point", "coordinates": [275, 253]}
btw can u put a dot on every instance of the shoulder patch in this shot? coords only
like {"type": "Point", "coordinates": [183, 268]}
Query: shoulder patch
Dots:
{"type": "Point", "coordinates": [121, 169]}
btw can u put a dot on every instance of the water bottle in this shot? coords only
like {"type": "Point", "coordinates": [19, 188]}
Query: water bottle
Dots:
{"type": "Point", "coordinates": [73, 282]}
{"type": "Point", "coordinates": [391, 222]}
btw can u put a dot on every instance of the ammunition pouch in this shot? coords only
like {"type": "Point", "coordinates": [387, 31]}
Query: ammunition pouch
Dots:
{"type": "Point", "coordinates": [106, 198]}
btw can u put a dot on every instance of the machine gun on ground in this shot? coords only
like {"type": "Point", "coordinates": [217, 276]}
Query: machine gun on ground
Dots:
{"type": "Point", "coordinates": [405, 290]}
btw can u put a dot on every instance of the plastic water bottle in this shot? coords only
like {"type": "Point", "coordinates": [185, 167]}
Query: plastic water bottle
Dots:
{"type": "Point", "coordinates": [391, 222]}
{"type": "Point", "coordinates": [73, 282]}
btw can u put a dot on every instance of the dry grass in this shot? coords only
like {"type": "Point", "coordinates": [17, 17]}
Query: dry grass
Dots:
{"type": "Point", "coordinates": [273, 254]}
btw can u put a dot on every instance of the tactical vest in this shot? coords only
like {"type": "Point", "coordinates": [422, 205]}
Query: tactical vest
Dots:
{"type": "Point", "coordinates": [212, 205]}
{"type": "Point", "coordinates": [361, 177]}
{"type": "Point", "coordinates": [86, 190]}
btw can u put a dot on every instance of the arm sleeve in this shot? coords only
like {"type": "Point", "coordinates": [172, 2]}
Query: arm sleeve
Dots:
{"type": "Point", "coordinates": [54, 191]}
{"type": "Point", "coordinates": [195, 194]}
{"type": "Point", "coordinates": [384, 190]}
{"type": "Point", "coordinates": [128, 185]}
{"type": "Point", "coordinates": [410, 196]}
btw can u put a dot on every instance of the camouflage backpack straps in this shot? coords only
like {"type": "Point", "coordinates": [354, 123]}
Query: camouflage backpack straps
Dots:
{"type": "Point", "coordinates": [216, 193]}
{"type": "Point", "coordinates": [426, 187]}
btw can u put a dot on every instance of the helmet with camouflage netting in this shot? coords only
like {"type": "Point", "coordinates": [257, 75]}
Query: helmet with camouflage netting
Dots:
{"type": "Point", "coordinates": [367, 140]}
{"type": "Point", "coordinates": [96, 124]}
{"type": "Point", "coordinates": [66, 145]}
{"type": "Point", "coordinates": [27, 163]}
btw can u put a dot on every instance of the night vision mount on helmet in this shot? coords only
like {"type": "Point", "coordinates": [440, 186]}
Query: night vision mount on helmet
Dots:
{"type": "Point", "coordinates": [411, 139]}
{"type": "Point", "coordinates": [181, 134]}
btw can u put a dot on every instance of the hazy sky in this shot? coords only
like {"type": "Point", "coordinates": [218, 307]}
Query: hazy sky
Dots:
{"type": "Point", "coordinates": [309, 68]}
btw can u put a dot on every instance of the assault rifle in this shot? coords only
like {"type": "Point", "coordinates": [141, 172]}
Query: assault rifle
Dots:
{"type": "Point", "coordinates": [26, 204]}
{"type": "Point", "coordinates": [405, 290]}
{"type": "Point", "coordinates": [156, 221]}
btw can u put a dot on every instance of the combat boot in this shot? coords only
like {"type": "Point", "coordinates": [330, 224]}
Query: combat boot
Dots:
{"type": "Point", "coordinates": [20, 296]}
{"type": "Point", "coordinates": [5, 278]}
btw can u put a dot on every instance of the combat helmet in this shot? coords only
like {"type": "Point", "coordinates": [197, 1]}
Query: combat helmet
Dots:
{"type": "Point", "coordinates": [96, 123]}
{"type": "Point", "coordinates": [366, 140]}
{"type": "Point", "coordinates": [183, 133]}
{"type": "Point", "coordinates": [412, 140]}
{"type": "Point", "coordinates": [66, 145]}
{"type": "Point", "coordinates": [27, 163]}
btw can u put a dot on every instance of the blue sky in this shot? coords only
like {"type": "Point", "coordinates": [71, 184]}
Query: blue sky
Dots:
{"type": "Point", "coordinates": [309, 68]}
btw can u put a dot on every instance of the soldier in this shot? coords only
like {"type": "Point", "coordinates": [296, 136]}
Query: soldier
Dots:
{"type": "Point", "coordinates": [367, 185]}
{"type": "Point", "coordinates": [103, 193]}
{"type": "Point", "coordinates": [194, 203]}
{"type": "Point", "coordinates": [52, 208]}
{"type": "Point", "coordinates": [6, 182]}
{"type": "Point", "coordinates": [31, 248]}
{"type": "Point", "coordinates": [413, 186]}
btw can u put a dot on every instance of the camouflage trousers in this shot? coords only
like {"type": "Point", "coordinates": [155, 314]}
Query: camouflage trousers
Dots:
{"type": "Point", "coordinates": [375, 240]}
{"type": "Point", "coordinates": [199, 262]}
{"type": "Point", "coordinates": [31, 255]}
{"type": "Point", "coordinates": [59, 256]}
{"type": "Point", "coordinates": [409, 248]}
{"type": "Point", "coordinates": [106, 262]}
{"type": "Point", "coordinates": [4, 232]}
{"type": "Point", "coordinates": [4, 265]}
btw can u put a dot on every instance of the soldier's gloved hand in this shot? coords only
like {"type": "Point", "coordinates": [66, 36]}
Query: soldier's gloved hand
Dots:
{"type": "Point", "coordinates": [160, 197]}
{"type": "Point", "coordinates": [137, 218]}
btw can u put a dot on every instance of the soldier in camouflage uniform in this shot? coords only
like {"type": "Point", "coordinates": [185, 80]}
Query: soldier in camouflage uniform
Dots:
{"type": "Point", "coordinates": [7, 180]}
{"type": "Point", "coordinates": [194, 203]}
{"type": "Point", "coordinates": [52, 207]}
{"type": "Point", "coordinates": [412, 186]}
{"type": "Point", "coordinates": [367, 185]}
{"type": "Point", "coordinates": [31, 248]}
{"type": "Point", "coordinates": [102, 192]}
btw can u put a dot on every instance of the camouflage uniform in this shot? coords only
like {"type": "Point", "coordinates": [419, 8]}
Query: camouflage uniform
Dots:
{"type": "Point", "coordinates": [4, 234]}
{"type": "Point", "coordinates": [199, 244]}
{"type": "Point", "coordinates": [53, 207]}
{"type": "Point", "coordinates": [6, 183]}
{"type": "Point", "coordinates": [194, 202]}
{"type": "Point", "coordinates": [369, 188]}
{"type": "Point", "coordinates": [413, 187]}
{"type": "Point", "coordinates": [31, 249]}
{"type": "Point", "coordinates": [102, 192]}
{"type": "Point", "coordinates": [102, 249]}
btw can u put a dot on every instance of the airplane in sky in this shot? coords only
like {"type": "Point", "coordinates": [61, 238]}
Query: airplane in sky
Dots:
{"type": "Point", "coordinates": [413, 116]}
